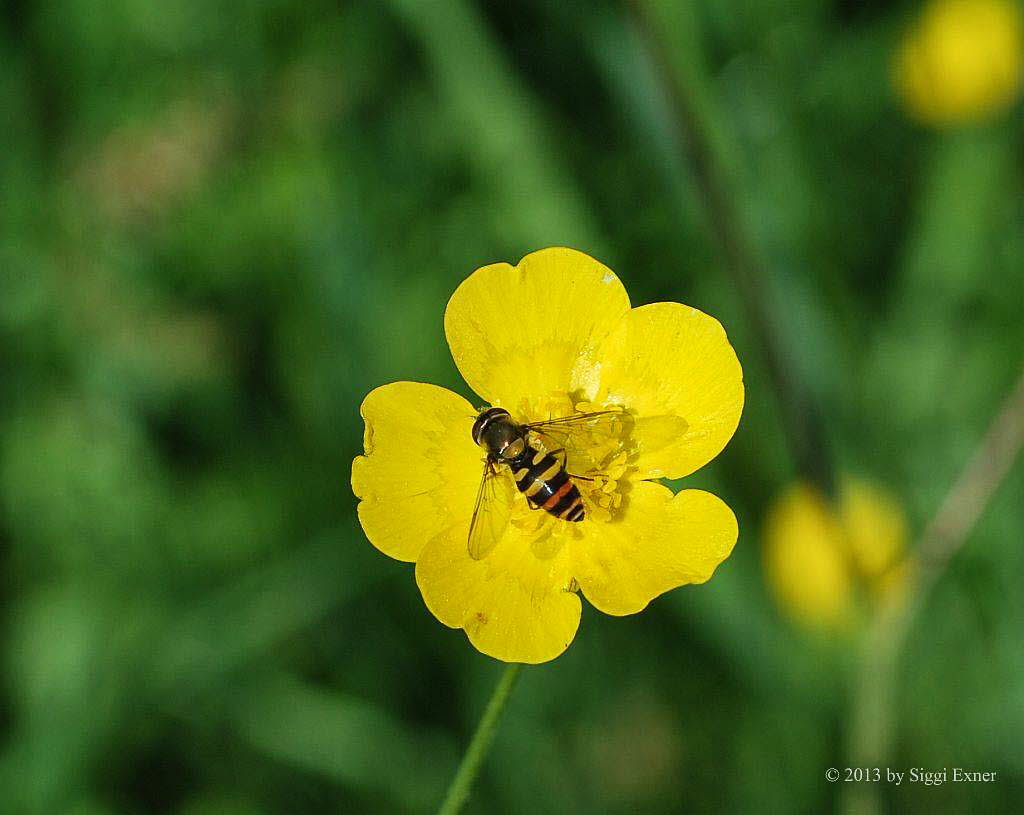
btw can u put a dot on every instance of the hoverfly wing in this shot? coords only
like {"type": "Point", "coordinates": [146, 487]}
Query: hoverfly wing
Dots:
{"type": "Point", "coordinates": [596, 434]}
{"type": "Point", "coordinates": [587, 438]}
{"type": "Point", "coordinates": [601, 423]}
{"type": "Point", "coordinates": [491, 513]}
{"type": "Point", "coordinates": [659, 432]}
{"type": "Point", "coordinates": [582, 419]}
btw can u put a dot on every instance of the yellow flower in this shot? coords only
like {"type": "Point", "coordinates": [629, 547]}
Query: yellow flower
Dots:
{"type": "Point", "coordinates": [819, 559]}
{"type": "Point", "coordinates": [962, 60]}
{"type": "Point", "coordinates": [555, 336]}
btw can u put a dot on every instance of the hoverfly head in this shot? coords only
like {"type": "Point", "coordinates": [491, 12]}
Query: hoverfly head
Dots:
{"type": "Point", "coordinates": [494, 430]}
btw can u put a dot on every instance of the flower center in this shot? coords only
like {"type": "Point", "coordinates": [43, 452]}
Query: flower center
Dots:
{"type": "Point", "coordinates": [597, 454]}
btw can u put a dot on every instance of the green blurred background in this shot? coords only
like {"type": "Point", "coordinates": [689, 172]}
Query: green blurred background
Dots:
{"type": "Point", "coordinates": [222, 224]}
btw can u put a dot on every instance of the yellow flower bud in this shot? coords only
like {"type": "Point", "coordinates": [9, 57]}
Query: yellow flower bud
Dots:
{"type": "Point", "coordinates": [821, 560]}
{"type": "Point", "coordinates": [963, 60]}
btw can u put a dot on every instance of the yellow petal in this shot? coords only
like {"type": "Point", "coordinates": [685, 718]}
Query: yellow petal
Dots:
{"type": "Point", "coordinates": [514, 605]}
{"type": "Point", "coordinates": [875, 526]}
{"type": "Point", "coordinates": [806, 560]}
{"type": "Point", "coordinates": [659, 542]}
{"type": "Point", "coordinates": [532, 330]}
{"type": "Point", "coordinates": [421, 469]}
{"type": "Point", "coordinates": [667, 359]}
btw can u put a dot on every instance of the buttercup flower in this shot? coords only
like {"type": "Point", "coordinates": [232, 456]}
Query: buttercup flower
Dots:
{"type": "Point", "coordinates": [823, 564]}
{"type": "Point", "coordinates": [555, 336]}
{"type": "Point", "coordinates": [962, 60]}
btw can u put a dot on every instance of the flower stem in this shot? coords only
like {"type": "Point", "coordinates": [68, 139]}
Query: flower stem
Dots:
{"type": "Point", "coordinates": [469, 768]}
{"type": "Point", "coordinates": [874, 697]}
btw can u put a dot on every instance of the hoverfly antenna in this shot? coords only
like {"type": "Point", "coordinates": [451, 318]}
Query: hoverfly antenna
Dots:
{"type": "Point", "coordinates": [485, 419]}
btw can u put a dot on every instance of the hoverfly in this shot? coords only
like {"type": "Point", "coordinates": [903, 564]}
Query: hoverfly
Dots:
{"type": "Point", "coordinates": [540, 475]}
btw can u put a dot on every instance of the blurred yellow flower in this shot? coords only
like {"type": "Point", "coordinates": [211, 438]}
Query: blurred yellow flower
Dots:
{"type": "Point", "coordinates": [819, 560]}
{"type": "Point", "coordinates": [555, 336]}
{"type": "Point", "coordinates": [962, 60]}
{"type": "Point", "coordinates": [875, 527]}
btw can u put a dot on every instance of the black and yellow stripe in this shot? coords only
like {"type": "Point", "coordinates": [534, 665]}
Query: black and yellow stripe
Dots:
{"type": "Point", "coordinates": [544, 481]}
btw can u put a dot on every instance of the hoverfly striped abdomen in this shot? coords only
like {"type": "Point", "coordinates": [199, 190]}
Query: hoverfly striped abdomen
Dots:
{"type": "Point", "coordinates": [542, 478]}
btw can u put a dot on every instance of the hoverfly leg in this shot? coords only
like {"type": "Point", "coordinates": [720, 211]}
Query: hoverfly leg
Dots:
{"type": "Point", "coordinates": [597, 477]}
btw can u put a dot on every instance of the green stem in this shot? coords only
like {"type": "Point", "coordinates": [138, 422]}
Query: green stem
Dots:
{"type": "Point", "coordinates": [469, 768]}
